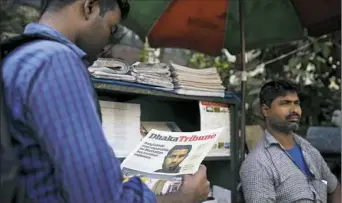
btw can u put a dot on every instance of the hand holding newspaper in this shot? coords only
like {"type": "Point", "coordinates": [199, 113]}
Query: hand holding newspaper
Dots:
{"type": "Point", "coordinates": [163, 158]}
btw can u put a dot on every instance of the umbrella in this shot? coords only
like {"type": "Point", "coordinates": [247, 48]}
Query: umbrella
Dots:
{"type": "Point", "coordinates": [208, 26]}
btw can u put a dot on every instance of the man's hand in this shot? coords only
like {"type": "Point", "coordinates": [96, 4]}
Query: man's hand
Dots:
{"type": "Point", "coordinates": [336, 195]}
{"type": "Point", "coordinates": [196, 186]}
{"type": "Point", "coordinates": [195, 189]}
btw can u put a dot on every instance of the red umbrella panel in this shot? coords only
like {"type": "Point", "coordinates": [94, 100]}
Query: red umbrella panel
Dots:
{"type": "Point", "coordinates": [199, 25]}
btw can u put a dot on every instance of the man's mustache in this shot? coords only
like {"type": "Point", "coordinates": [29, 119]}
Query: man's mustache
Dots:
{"type": "Point", "coordinates": [293, 114]}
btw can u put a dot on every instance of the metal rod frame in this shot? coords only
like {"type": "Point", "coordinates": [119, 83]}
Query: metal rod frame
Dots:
{"type": "Point", "coordinates": [243, 80]}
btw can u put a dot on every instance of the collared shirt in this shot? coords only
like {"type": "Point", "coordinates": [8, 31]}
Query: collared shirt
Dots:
{"type": "Point", "coordinates": [268, 174]}
{"type": "Point", "coordinates": [58, 134]}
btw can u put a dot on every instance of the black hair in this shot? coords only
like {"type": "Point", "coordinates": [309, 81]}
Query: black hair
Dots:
{"type": "Point", "coordinates": [273, 89]}
{"type": "Point", "coordinates": [180, 147]}
{"type": "Point", "coordinates": [105, 6]}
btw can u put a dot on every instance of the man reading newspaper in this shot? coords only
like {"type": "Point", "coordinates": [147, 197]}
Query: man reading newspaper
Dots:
{"type": "Point", "coordinates": [53, 114]}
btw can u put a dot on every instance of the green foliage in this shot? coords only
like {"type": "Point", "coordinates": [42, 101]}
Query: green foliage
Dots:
{"type": "Point", "coordinates": [314, 65]}
{"type": "Point", "coordinates": [199, 61]}
{"type": "Point", "coordinates": [316, 70]}
{"type": "Point", "coordinates": [16, 17]}
{"type": "Point", "coordinates": [143, 57]}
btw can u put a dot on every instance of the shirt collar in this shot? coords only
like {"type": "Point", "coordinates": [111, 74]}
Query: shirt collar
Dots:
{"type": "Point", "coordinates": [37, 28]}
{"type": "Point", "coordinates": [270, 140]}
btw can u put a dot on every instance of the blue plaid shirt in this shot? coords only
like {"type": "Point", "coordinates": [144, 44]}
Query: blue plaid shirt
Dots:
{"type": "Point", "coordinates": [58, 133]}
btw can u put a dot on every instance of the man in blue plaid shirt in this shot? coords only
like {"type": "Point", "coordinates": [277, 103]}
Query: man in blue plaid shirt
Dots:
{"type": "Point", "coordinates": [53, 112]}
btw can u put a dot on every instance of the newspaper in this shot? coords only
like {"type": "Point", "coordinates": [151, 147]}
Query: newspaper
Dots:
{"type": "Point", "coordinates": [158, 125]}
{"type": "Point", "coordinates": [217, 115]}
{"type": "Point", "coordinates": [162, 158]}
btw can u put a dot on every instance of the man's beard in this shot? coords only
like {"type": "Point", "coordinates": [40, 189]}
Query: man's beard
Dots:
{"type": "Point", "coordinates": [170, 168]}
{"type": "Point", "coordinates": [283, 126]}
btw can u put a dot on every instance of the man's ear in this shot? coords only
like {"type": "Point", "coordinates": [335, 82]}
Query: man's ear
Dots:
{"type": "Point", "coordinates": [90, 8]}
{"type": "Point", "coordinates": [264, 110]}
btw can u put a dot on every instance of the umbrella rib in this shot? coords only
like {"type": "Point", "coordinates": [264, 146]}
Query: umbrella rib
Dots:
{"type": "Point", "coordinates": [225, 26]}
{"type": "Point", "coordinates": [291, 52]}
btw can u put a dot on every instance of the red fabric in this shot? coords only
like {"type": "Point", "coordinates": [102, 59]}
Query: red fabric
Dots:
{"type": "Point", "coordinates": [197, 25]}
{"type": "Point", "coordinates": [319, 16]}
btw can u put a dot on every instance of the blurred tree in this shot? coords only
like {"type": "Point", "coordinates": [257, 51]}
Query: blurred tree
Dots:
{"type": "Point", "coordinates": [313, 64]}
{"type": "Point", "coordinates": [316, 68]}
{"type": "Point", "coordinates": [15, 17]}
{"type": "Point", "coordinates": [199, 61]}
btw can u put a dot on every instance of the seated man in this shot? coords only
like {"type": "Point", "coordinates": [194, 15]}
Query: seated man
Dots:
{"type": "Point", "coordinates": [284, 167]}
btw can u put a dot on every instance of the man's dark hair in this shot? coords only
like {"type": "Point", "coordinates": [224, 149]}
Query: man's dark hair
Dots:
{"type": "Point", "coordinates": [273, 89]}
{"type": "Point", "coordinates": [105, 5]}
{"type": "Point", "coordinates": [180, 147]}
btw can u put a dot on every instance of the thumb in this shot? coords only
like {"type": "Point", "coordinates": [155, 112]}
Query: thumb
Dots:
{"type": "Point", "coordinates": [202, 171]}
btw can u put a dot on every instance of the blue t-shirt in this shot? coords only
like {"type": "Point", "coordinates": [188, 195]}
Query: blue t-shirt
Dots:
{"type": "Point", "coordinates": [298, 158]}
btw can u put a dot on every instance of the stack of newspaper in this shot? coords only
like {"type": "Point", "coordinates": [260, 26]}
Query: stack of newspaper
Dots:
{"type": "Point", "coordinates": [197, 82]}
{"type": "Point", "coordinates": [154, 74]}
{"type": "Point", "coordinates": [112, 69]}
{"type": "Point", "coordinates": [162, 158]}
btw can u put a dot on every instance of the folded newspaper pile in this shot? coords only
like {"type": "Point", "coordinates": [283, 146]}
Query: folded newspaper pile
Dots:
{"type": "Point", "coordinates": [112, 69]}
{"type": "Point", "coordinates": [162, 158]}
{"type": "Point", "coordinates": [197, 82]}
{"type": "Point", "coordinates": [156, 74]}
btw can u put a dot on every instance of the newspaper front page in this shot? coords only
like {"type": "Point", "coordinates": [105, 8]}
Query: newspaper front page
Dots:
{"type": "Point", "coordinates": [162, 158]}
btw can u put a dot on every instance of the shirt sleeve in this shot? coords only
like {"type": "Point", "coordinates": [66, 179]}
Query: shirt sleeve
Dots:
{"type": "Point", "coordinates": [327, 175]}
{"type": "Point", "coordinates": [64, 117]}
{"type": "Point", "coordinates": [257, 184]}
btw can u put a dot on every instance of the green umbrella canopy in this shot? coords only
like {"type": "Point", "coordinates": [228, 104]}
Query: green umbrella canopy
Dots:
{"type": "Point", "coordinates": [209, 25]}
